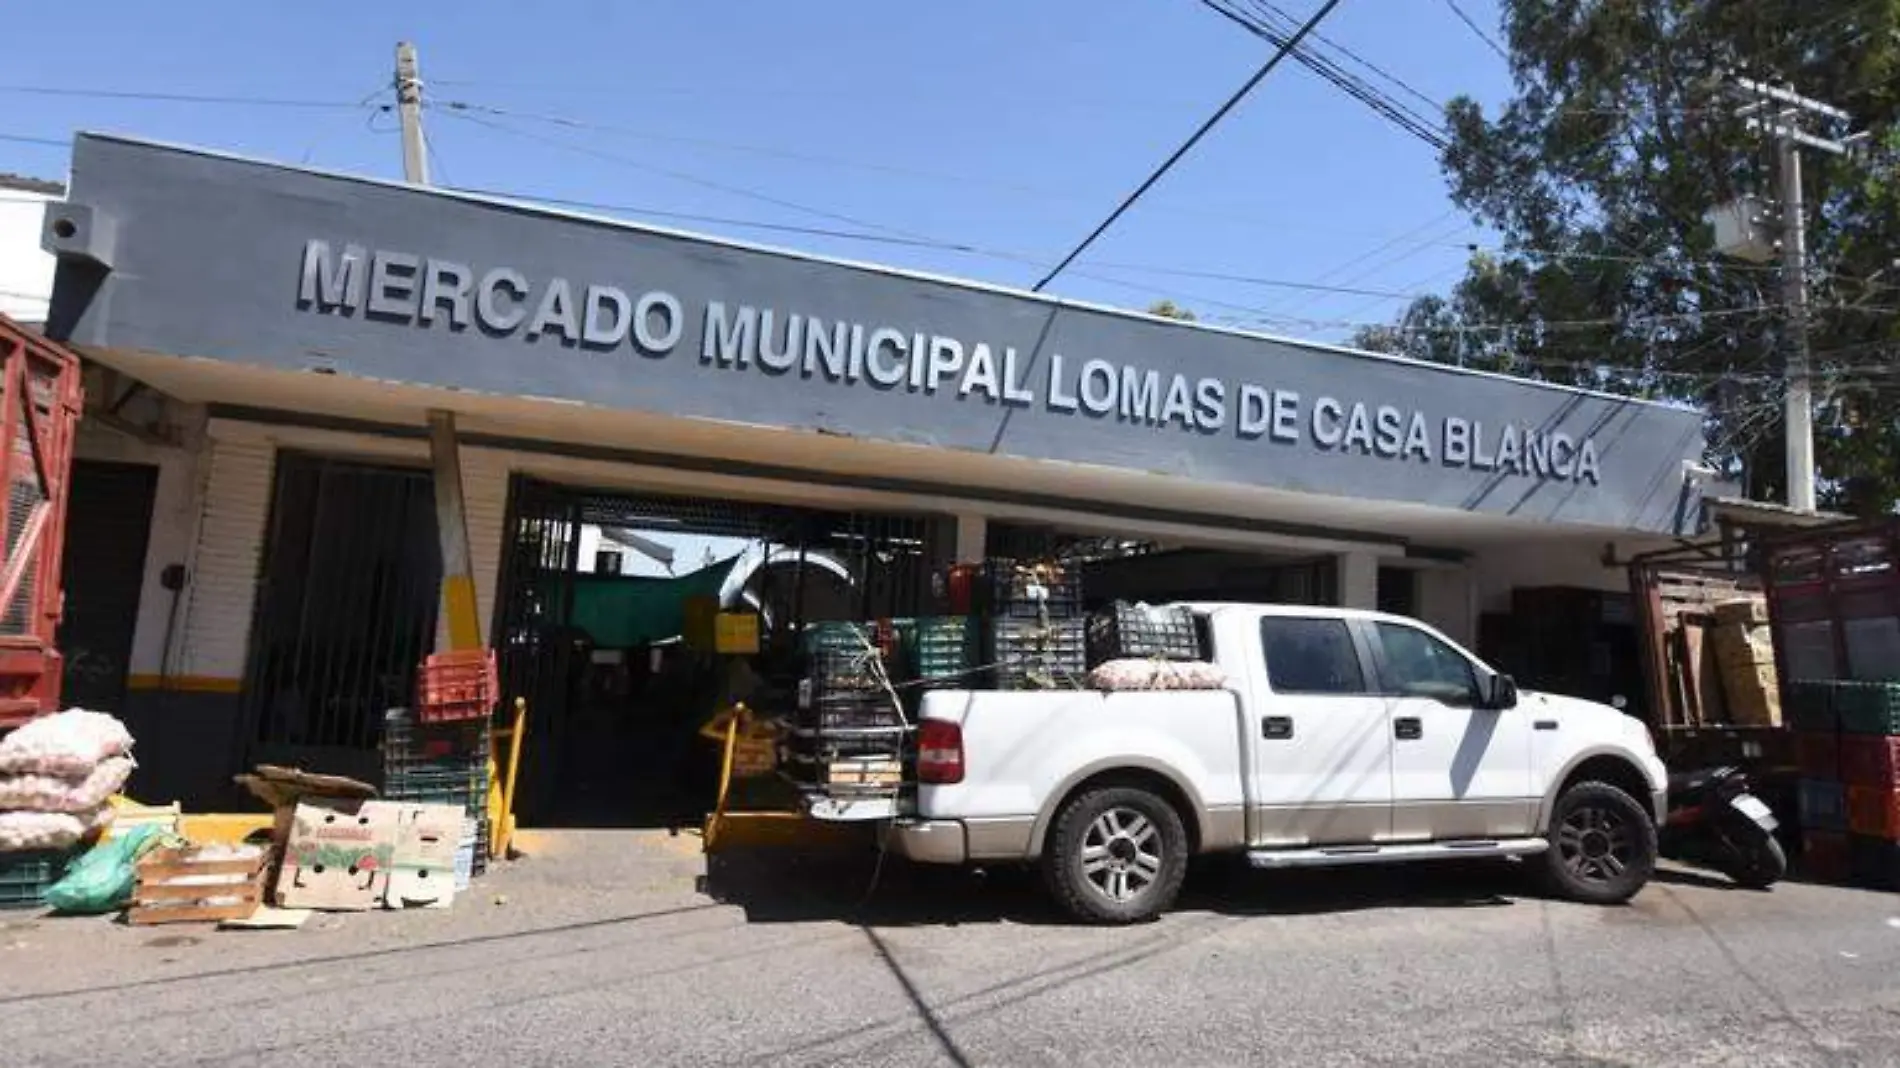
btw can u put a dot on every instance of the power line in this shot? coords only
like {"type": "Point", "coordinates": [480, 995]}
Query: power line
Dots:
{"type": "Point", "coordinates": [1472, 24]}
{"type": "Point", "coordinates": [1270, 24]}
{"type": "Point", "coordinates": [723, 220]}
{"type": "Point", "coordinates": [681, 176]}
{"type": "Point", "coordinates": [1193, 139]}
{"type": "Point", "coordinates": [730, 146]}
{"type": "Point", "coordinates": [22, 139]}
{"type": "Point", "coordinates": [175, 98]}
{"type": "Point", "coordinates": [1287, 21]}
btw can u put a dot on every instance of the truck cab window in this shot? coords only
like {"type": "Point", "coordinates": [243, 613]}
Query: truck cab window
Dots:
{"type": "Point", "coordinates": [1419, 665]}
{"type": "Point", "coordinates": [1311, 656]}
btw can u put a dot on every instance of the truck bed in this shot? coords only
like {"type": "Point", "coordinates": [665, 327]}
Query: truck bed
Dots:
{"type": "Point", "coordinates": [1023, 748]}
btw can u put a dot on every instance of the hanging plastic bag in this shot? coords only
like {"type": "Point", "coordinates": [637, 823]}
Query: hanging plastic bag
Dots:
{"type": "Point", "coordinates": [102, 880]}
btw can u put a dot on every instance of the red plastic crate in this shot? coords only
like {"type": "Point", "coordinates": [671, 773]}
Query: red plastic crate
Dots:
{"type": "Point", "coordinates": [1870, 760]}
{"type": "Point", "coordinates": [1818, 755]}
{"type": "Point", "coordinates": [1874, 811]}
{"type": "Point", "coordinates": [457, 686]}
{"type": "Point", "coordinates": [1824, 856]}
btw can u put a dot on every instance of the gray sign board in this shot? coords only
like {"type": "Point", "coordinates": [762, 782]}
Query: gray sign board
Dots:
{"type": "Point", "coordinates": [236, 260]}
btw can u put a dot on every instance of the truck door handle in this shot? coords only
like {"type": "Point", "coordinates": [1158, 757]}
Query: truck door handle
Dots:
{"type": "Point", "coordinates": [1408, 728]}
{"type": "Point", "coordinates": [1276, 728]}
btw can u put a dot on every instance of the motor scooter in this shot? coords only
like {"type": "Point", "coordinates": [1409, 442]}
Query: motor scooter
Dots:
{"type": "Point", "coordinates": [1716, 821]}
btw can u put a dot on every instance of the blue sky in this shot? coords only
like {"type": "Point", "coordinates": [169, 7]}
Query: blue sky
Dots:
{"type": "Point", "coordinates": [1008, 127]}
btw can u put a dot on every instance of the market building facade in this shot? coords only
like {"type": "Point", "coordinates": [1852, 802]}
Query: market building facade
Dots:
{"type": "Point", "coordinates": [271, 341]}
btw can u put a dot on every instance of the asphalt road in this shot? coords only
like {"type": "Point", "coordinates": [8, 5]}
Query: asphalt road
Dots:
{"type": "Point", "coordinates": [587, 957]}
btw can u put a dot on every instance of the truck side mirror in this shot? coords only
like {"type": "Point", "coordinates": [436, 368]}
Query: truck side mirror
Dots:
{"type": "Point", "coordinates": [1500, 692]}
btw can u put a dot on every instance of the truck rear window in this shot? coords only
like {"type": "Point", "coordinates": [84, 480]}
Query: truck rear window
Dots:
{"type": "Point", "coordinates": [1311, 656]}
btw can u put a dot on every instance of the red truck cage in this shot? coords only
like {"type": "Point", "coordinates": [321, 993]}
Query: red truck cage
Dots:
{"type": "Point", "coordinates": [1834, 601]}
{"type": "Point", "coordinates": [41, 397]}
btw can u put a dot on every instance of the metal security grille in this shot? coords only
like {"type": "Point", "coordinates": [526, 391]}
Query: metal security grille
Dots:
{"type": "Point", "coordinates": [347, 603]}
{"type": "Point", "coordinates": [1014, 541]}
{"type": "Point", "coordinates": [804, 565]}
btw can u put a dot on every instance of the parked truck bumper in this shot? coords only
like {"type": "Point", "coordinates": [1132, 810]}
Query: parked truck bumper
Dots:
{"type": "Point", "coordinates": [1001, 839]}
{"type": "Point", "coordinates": [930, 841]}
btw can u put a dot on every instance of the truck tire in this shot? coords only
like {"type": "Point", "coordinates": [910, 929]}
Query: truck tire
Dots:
{"type": "Point", "coordinates": [1117, 854]}
{"type": "Point", "coordinates": [1602, 845]}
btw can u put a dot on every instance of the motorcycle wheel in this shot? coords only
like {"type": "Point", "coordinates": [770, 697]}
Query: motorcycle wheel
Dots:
{"type": "Point", "coordinates": [1760, 866]}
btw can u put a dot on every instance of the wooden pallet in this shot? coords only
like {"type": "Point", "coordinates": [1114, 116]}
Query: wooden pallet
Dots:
{"type": "Point", "coordinates": [170, 890]}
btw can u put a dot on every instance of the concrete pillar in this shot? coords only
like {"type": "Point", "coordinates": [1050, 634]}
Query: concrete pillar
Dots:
{"type": "Point", "coordinates": [972, 536]}
{"type": "Point", "coordinates": [459, 609]}
{"type": "Point", "coordinates": [1358, 580]}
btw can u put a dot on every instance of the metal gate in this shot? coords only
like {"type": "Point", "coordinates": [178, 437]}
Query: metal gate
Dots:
{"type": "Point", "coordinates": [881, 564]}
{"type": "Point", "coordinates": [346, 608]}
{"type": "Point", "coordinates": [109, 523]}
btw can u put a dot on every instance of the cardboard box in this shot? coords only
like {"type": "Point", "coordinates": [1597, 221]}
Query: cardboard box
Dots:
{"type": "Point", "coordinates": [422, 873]}
{"type": "Point", "coordinates": [736, 633]}
{"type": "Point", "coordinates": [1740, 645]}
{"type": "Point", "coordinates": [1752, 695]}
{"type": "Point", "coordinates": [338, 855]}
{"type": "Point", "coordinates": [1744, 611]}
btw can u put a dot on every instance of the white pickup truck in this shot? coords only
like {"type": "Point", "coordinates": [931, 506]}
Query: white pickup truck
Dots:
{"type": "Point", "coordinates": [1343, 737]}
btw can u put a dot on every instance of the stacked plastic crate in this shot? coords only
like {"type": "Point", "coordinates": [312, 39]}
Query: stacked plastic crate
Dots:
{"type": "Point", "coordinates": [1036, 635]}
{"type": "Point", "coordinates": [940, 653]}
{"type": "Point", "coordinates": [1869, 715]}
{"type": "Point", "coordinates": [441, 764]}
{"type": "Point", "coordinates": [24, 876]}
{"type": "Point", "coordinates": [1810, 711]}
{"type": "Point", "coordinates": [1144, 632]}
{"type": "Point", "coordinates": [849, 731]}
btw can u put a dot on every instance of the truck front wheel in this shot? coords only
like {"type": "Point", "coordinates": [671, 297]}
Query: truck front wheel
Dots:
{"type": "Point", "coordinates": [1602, 845]}
{"type": "Point", "coordinates": [1117, 854]}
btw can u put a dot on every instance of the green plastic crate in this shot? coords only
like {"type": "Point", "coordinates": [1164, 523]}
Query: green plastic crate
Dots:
{"type": "Point", "coordinates": [942, 649]}
{"type": "Point", "coordinates": [24, 877]}
{"type": "Point", "coordinates": [1868, 707]}
{"type": "Point", "coordinates": [1808, 705]}
{"type": "Point", "coordinates": [835, 637]}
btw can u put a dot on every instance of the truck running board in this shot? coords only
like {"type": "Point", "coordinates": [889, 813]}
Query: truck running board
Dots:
{"type": "Point", "coordinates": [1395, 853]}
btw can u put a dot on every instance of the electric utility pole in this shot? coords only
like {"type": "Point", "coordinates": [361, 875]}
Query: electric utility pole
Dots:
{"type": "Point", "coordinates": [1782, 115]}
{"type": "Point", "coordinates": [461, 630]}
{"type": "Point", "coordinates": [415, 152]}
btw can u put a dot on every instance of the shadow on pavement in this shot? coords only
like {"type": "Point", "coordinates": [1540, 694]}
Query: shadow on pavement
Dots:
{"type": "Point", "coordinates": [774, 886]}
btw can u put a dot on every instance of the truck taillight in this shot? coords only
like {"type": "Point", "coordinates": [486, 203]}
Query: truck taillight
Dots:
{"type": "Point", "coordinates": [939, 753]}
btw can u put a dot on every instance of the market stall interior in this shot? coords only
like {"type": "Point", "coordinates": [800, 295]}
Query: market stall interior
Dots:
{"type": "Point", "coordinates": [629, 622]}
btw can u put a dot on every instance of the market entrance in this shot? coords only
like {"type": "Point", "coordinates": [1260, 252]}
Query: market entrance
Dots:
{"type": "Point", "coordinates": [602, 624]}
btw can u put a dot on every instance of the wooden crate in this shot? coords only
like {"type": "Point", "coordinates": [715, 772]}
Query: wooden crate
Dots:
{"type": "Point", "coordinates": [865, 773]}
{"type": "Point", "coordinates": [176, 885]}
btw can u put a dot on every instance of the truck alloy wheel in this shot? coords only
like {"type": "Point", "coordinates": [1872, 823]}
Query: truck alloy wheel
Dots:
{"type": "Point", "coordinates": [1116, 855]}
{"type": "Point", "coordinates": [1602, 845]}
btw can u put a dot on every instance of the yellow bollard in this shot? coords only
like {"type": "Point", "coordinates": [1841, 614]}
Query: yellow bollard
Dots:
{"type": "Point", "coordinates": [501, 792]}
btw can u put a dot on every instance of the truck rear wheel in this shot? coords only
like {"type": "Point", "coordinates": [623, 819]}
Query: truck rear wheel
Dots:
{"type": "Point", "coordinates": [1602, 845]}
{"type": "Point", "coordinates": [1116, 855]}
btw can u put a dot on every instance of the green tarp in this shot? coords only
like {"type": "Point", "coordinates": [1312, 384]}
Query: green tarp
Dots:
{"type": "Point", "coordinates": [620, 612]}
